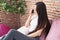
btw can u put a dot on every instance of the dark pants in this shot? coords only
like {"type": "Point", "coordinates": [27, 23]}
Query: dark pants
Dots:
{"type": "Point", "coordinates": [15, 35]}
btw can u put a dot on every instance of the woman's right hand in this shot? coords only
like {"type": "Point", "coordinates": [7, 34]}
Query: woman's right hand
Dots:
{"type": "Point", "coordinates": [27, 23]}
{"type": "Point", "coordinates": [30, 14]}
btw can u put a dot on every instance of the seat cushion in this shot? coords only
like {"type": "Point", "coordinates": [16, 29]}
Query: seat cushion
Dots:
{"type": "Point", "coordinates": [3, 29]}
{"type": "Point", "coordinates": [54, 33]}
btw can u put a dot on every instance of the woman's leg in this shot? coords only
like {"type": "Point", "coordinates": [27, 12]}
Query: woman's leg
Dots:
{"type": "Point", "coordinates": [37, 38]}
{"type": "Point", "coordinates": [13, 34]}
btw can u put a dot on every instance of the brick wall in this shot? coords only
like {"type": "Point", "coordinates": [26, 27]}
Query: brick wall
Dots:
{"type": "Point", "coordinates": [53, 8]}
{"type": "Point", "coordinates": [12, 20]}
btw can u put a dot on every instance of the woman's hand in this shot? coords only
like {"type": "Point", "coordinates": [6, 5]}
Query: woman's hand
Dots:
{"type": "Point", "coordinates": [27, 24]}
{"type": "Point", "coordinates": [30, 12]}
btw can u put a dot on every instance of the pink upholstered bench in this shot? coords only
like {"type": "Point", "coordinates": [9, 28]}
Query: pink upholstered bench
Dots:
{"type": "Point", "coordinates": [54, 33]}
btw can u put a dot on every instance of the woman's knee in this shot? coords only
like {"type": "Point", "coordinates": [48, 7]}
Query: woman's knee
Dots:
{"type": "Point", "coordinates": [11, 31]}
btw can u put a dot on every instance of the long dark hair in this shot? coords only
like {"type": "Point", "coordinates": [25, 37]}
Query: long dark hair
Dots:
{"type": "Point", "coordinates": [43, 21]}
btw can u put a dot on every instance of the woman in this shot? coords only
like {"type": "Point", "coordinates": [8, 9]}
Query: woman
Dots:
{"type": "Point", "coordinates": [30, 24]}
{"type": "Point", "coordinates": [42, 27]}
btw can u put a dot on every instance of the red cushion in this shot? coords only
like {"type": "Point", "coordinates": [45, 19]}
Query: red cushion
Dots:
{"type": "Point", "coordinates": [3, 29]}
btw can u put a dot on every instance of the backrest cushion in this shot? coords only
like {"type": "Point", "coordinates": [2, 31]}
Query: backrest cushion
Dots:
{"type": "Point", "coordinates": [54, 33]}
{"type": "Point", "coordinates": [3, 29]}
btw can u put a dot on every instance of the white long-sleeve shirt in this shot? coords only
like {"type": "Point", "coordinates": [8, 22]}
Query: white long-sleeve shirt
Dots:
{"type": "Point", "coordinates": [32, 26]}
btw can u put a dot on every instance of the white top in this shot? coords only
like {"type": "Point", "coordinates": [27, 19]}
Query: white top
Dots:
{"type": "Point", "coordinates": [32, 27]}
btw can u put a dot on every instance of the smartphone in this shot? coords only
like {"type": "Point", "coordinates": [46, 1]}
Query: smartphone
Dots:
{"type": "Point", "coordinates": [32, 11]}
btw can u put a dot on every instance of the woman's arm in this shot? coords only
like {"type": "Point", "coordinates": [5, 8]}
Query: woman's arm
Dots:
{"type": "Point", "coordinates": [35, 34]}
{"type": "Point", "coordinates": [27, 23]}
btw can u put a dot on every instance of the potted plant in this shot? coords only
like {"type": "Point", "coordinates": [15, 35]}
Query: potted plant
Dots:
{"type": "Point", "coordinates": [11, 10]}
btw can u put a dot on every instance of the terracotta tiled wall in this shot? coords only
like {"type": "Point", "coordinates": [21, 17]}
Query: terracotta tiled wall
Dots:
{"type": "Point", "coordinates": [53, 8]}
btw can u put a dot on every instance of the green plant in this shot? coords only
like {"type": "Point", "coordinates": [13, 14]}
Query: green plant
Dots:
{"type": "Point", "coordinates": [14, 6]}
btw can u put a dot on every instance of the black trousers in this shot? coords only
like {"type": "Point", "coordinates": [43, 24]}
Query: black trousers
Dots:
{"type": "Point", "coordinates": [15, 35]}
